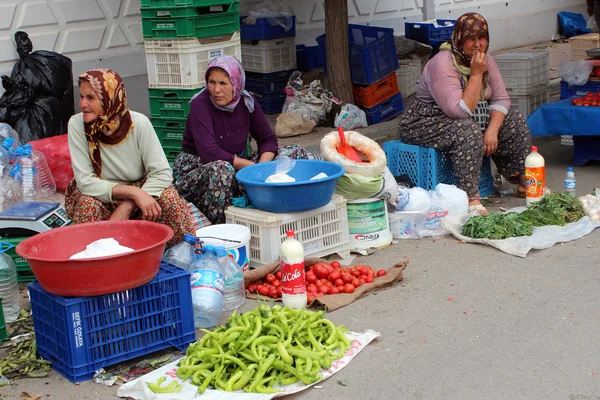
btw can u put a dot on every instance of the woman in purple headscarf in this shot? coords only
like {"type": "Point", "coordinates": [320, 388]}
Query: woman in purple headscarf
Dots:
{"type": "Point", "coordinates": [222, 118]}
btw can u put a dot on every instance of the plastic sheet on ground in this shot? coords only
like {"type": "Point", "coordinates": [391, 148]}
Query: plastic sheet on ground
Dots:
{"type": "Point", "coordinates": [542, 238]}
{"type": "Point", "coordinates": [138, 389]}
{"type": "Point", "coordinates": [562, 118]}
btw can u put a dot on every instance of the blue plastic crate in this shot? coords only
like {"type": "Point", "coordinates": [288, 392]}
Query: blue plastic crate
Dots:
{"type": "Point", "coordinates": [585, 149]}
{"type": "Point", "coordinates": [426, 167]}
{"type": "Point", "coordinates": [436, 45]}
{"type": "Point", "coordinates": [263, 29]}
{"type": "Point", "coordinates": [270, 103]}
{"type": "Point", "coordinates": [385, 110]}
{"type": "Point", "coordinates": [372, 53]}
{"type": "Point", "coordinates": [426, 31]}
{"type": "Point", "coordinates": [80, 335]}
{"type": "Point", "coordinates": [271, 82]}
{"type": "Point", "coordinates": [309, 57]}
{"type": "Point", "coordinates": [566, 91]}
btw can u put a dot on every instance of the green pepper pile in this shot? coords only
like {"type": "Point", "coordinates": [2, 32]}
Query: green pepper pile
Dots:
{"type": "Point", "coordinates": [555, 209]}
{"type": "Point", "coordinates": [265, 346]}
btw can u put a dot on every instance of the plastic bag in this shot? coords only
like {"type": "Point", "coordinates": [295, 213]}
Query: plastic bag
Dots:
{"type": "Point", "coordinates": [576, 73]}
{"type": "Point", "coordinates": [265, 10]}
{"type": "Point", "coordinates": [56, 150]}
{"type": "Point", "coordinates": [376, 158]}
{"type": "Point", "coordinates": [354, 186]}
{"type": "Point", "coordinates": [282, 167]}
{"type": "Point", "coordinates": [572, 24]}
{"type": "Point", "coordinates": [413, 199]}
{"type": "Point", "coordinates": [446, 201]}
{"type": "Point", "coordinates": [351, 117]}
{"type": "Point", "coordinates": [40, 119]}
{"type": "Point", "coordinates": [312, 102]}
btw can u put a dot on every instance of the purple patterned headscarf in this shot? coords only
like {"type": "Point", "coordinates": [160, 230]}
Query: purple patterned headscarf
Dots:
{"type": "Point", "coordinates": [236, 73]}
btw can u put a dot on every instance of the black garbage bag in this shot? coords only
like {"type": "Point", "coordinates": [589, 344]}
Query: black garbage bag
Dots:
{"type": "Point", "coordinates": [39, 120]}
{"type": "Point", "coordinates": [14, 100]}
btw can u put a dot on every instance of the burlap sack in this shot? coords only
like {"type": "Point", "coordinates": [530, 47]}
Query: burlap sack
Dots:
{"type": "Point", "coordinates": [332, 302]}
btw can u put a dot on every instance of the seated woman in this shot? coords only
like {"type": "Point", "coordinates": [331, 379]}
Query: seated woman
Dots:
{"type": "Point", "coordinates": [121, 171]}
{"type": "Point", "coordinates": [458, 79]}
{"type": "Point", "coordinates": [215, 142]}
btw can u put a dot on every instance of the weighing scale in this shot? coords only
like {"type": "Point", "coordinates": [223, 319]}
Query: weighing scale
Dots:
{"type": "Point", "coordinates": [30, 218]}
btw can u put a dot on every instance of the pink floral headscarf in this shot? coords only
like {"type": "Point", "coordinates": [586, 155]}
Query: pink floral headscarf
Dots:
{"type": "Point", "coordinates": [236, 73]}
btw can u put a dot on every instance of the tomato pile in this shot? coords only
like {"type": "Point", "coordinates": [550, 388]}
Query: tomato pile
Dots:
{"type": "Point", "coordinates": [321, 279]}
{"type": "Point", "coordinates": [589, 100]}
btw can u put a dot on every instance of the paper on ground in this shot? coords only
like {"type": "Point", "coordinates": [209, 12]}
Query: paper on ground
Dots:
{"type": "Point", "coordinates": [138, 388]}
{"type": "Point", "coordinates": [542, 238]}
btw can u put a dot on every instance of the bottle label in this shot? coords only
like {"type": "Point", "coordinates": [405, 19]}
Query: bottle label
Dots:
{"type": "Point", "coordinates": [207, 279]}
{"type": "Point", "coordinates": [534, 182]}
{"type": "Point", "coordinates": [570, 184]}
{"type": "Point", "coordinates": [292, 278]}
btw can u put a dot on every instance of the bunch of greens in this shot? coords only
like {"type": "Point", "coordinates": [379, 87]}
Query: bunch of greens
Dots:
{"type": "Point", "coordinates": [555, 209]}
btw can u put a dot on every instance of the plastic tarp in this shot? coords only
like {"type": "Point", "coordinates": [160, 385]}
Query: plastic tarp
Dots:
{"type": "Point", "coordinates": [572, 24]}
{"type": "Point", "coordinates": [562, 118]}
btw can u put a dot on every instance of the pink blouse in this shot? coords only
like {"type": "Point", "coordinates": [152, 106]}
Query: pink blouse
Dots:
{"type": "Point", "coordinates": [442, 83]}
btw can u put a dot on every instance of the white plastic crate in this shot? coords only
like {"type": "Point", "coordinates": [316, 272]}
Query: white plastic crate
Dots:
{"type": "Point", "coordinates": [413, 61]}
{"type": "Point", "coordinates": [408, 76]}
{"type": "Point", "coordinates": [322, 232]}
{"type": "Point", "coordinates": [182, 63]}
{"type": "Point", "coordinates": [524, 71]}
{"type": "Point", "coordinates": [268, 56]}
{"type": "Point", "coordinates": [528, 104]}
{"type": "Point", "coordinates": [579, 44]}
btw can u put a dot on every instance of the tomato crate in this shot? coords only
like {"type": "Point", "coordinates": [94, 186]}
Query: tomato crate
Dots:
{"type": "Point", "coordinates": [567, 91]}
{"type": "Point", "coordinates": [80, 335]}
{"type": "Point", "coordinates": [322, 231]}
{"type": "Point", "coordinates": [425, 31]}
{"type": "Point", "coordinates": [263, 28]}
{"type": "Point", "coordinates": [170, 103]}
{"type": "Point", "coordinates": [385, 110]}
{"type": "Point", "coordinates": [263, 83]}
{"type": "Point", "coordinates": [268, 56]}
{"type": "Point", "coordinates": [578, 45]}
{"type": "Point", "coordinates": [180, 3]}
{"type": "Point", "coordinates": [407, 77]}
{"type": "Point", "coordinates": [370, 96]}
{"type": "Point", "coordinates": [528, 104]}
{"type": "Point", "coordinates": [309, 57]}
{"type": "Point", "coordinates": [426, 167]}
{"type": "Point", "coordinates": [182, 63]}
{"type": "Point", "coordinates": [372, 53]}
{"type": "Point", "coordinates": [524, 71]}
{"type": "Point", "coordinates": [190, 22]}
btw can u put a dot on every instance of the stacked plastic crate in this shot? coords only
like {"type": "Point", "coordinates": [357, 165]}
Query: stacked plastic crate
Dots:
{"type": "Point", "coordinates": [180, 38]}
{"type": "Point", "coordinates": [526, 75]}
{"type": "Point", "coordinates": [269, 58]}
{"type": "Point", "coordinates": [373, 64]}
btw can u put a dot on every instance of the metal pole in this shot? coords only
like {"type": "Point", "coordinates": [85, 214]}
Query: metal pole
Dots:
{"type": "Point", "coordinates": [428, 10]}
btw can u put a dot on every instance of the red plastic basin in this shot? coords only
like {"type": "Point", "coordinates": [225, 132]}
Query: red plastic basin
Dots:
{"type": "Point", "coordinates": [48, 255]}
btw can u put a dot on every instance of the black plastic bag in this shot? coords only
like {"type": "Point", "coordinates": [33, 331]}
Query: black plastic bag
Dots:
{"type": "Point", "coordinates": [39, 120]}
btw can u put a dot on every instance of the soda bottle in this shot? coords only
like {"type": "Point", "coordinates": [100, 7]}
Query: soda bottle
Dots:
{"type": "Point", "coordinates": [535, 176]}
{"type": "Point", "coordinates": [293, 283]}
{"type": "Point", "coordinates": [182, 254]}
{"type": "Point", "coordinates": [207, 289]}
{"type": "Point", "coordinates": [234, 294]}
{"type": "Point", "coordinates": [570, 183]}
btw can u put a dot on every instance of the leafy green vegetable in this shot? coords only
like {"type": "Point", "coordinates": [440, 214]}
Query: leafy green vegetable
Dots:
{"type": "Point", "coordinates": [497, 226]}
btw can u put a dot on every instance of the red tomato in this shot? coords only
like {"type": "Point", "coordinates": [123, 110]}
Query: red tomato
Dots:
{"type": "Point", "coordinates": [347, 278]}
{"type": "Point", "coordinates": [381, 272]}
{"type": "Point", "coordinates": [252, 287]}
{"type": "Point", "coordinates": [354, 273]}
{"type": "Point", "coordinates": [356, 283]}
{"type": "Point", "coordinates": [362, 270]}
{"type": "Point", "coordinates": [594, 103]}
{"type": "Point", "coordinates": [319, 295]}
{"type": "Point", "coordinates": [335, 264]}
{"type": "Point", "coordinates": [278, 275]}
{"type": "Point", "coordinates": [311, 277]}
{"type": "Point", "coordinates": [270, 278]}
{"type": "Point", "coordinates": [363, 280]}
{"type": "Point", "coordinates": [309, 298]}
{"type": "Point", "coordinates": [264, 291]}
{"type": "Point", "coordinates": [333, 290]}
{"type": "Point", "coordinates": [318, 283]}
{"type": "Point", "coordinates": [369, 279]}
{"type": "Point", "coordinates": [273, 292]}
{"type": "Point", "coordinates": [279, 292]}
{"type": "Point", "coordinates": [321, 271]}
{"type": "Point", "coordinates": [348, 288]}
{"type": "Point", "coordinates": [276, 283]}
{"type": "Point", "coordinates": [312, 289]}
{"type": "Point", "coordinates": [338, 282]}
{"type": "Point", "coordinates": [334, 276]}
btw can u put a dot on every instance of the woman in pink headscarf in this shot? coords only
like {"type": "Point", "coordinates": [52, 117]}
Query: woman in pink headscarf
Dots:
{"type": "Point", "coordinates": [222, 119]}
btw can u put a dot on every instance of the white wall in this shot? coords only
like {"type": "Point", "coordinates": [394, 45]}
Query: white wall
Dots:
{"type": "Point", "coordinates": [107, 33]}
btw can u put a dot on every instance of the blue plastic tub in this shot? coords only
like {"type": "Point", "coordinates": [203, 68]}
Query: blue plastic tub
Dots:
{"type": "Point", "coordinates": [302, 195]}
{"type": "Point", "coordinates": [263, 29]}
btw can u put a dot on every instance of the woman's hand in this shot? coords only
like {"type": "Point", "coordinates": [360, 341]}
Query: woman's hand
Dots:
{"type": "Point", "coordinates": [478, 63]}
{"type": "Point", "coordinates": [124, 211]}
{"type": "Point", "coordinates": [490, 142]}
{"type": "Point", "coordinates": [149, 207]}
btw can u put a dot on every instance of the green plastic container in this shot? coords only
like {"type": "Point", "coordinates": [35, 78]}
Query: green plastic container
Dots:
{"type": "Point", "coordinates": [3, 334]}
{"type": "Point", "coordinates": [172, 152]}
{"type": "Point", "coordinates": [180, 3]}
{"type": "Point", "coordinates": [189, 22]}
{"type": "Point", "coordinates": [169, 123]}
{"type": "Point", "coordinates": [170, 103]}
{"type": "Point", "coordinates": [24, 272]}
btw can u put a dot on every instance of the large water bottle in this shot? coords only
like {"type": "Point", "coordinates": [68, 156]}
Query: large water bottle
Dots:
{"type": "Point", "coordinates": [11, 187]}
{"type": "Point", "coordinates": [9, 288]}
{"type": "Point", "coordinates": [29, 180]}
{"type": "Point", "coordinates": [6, 131]}
{"type": "Point", "coordinates": [183, 254]}
{"type": "Point", "coordinates": [47, 184]}
{"type": "Point", "coordinates": [235, 293]}
{"type": "Point", "coordinates": [207, 289]}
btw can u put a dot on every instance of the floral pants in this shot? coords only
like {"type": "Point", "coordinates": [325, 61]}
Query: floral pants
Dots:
{"type": "Point", "coordinates": [212, 186]}
{"type": "Point", "coordinates": [424, 124]}
{"type": "Point", "coordinates": [175, 214]}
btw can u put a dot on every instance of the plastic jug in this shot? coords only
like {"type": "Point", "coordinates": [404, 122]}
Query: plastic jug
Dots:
{"type": "Point", "coordinates": [9, 288]}
{"type": "Point", "coordinates": [207, 289]}
{"type": "Point", "coordinates": [235, 293]}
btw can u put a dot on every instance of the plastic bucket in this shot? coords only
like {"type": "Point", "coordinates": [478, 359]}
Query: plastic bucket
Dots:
{"type": "Point", "coordinates": [235, 238]}
{"type": "Point", "coordinates": [368, 224]}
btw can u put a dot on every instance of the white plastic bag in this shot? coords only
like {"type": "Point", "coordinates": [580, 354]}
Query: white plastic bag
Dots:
{"type": "Point", "coordinates": [576, 72]}
{"type": "Point", "coordinates": [351, 117]}
{"type": "Point", "coordinates": [413, 199]}
{"type": "Point", "coordinates": [446, 200]}
{"type": "Point", "coordinates": [282, 167]}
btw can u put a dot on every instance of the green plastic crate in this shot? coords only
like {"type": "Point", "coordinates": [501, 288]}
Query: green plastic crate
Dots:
{"type": "Point", "coordinates": [189, 22]}
{"type": "Point", "coordinates": [181, 3]}
{"type": "Point", "coordinates": [172, 152]}
{"type": "Point", "coordinates": [169, 123]}
{"type": "Point", "coordinates": [18, 260]}
{"type": "Point", "coordinates": [25, 274]}
{"type": "Point", "coordinates": [170, 103]}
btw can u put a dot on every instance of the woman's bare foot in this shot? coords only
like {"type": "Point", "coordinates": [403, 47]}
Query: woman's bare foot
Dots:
{"type": "Point", "coordinates": [476, 207]}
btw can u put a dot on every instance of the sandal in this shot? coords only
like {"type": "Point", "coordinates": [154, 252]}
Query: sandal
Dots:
{"type": "Point", "coordinates": [478, 209]}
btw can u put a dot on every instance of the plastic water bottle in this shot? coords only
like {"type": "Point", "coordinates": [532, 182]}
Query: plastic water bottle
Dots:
{"type": "Point", "coordinates": [293, 283]}
{"type": "Point", "coordinates": [6, 131]}
{"type": "Point", "coordinates": [207, 289]}
{"type": "Point", "coordinates": [183, 254]}
{"type": "Point", "coordinates": [11, 188]}
{"type": "Point", "coordinates": [47, 184]}
{"type": "Point", "coordinates": [235, 293]}
{"type": "Point", "coordinates": [29, 182]}
{"type": "Point", "coordinates": [9, 288]}
{"type": "Point", "coordinates": [570, 183]}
